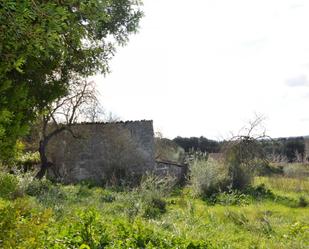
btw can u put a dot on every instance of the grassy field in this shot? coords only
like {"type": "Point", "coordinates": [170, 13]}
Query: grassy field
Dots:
{"type": "Point", "coordinates": [45, 215]}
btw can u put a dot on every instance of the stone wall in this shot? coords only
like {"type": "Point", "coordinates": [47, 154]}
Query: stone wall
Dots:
{"type": "Point", "coordinates": [175, 170]}
{"type": "Point", "coordinates": [102, 151]}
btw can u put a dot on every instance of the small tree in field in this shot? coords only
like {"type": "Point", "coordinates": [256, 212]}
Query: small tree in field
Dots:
{"type": "Point", "coordinates": [244, 152]}
{"type": "Point", "coordinates": [81, 104]}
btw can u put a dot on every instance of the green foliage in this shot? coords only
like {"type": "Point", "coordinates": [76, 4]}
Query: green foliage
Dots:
{"type": "Point", "coordinates": [302, 202]}
{"type": "Point", "coordinates": [80, 216]}
{"type": "Point", "coordinates": [152, 191]}
{"type": "Point", "coordinates": [92, 231]}
{"type": "Point", "coordinates": [141, 236]}
{"type": "Point", "coordinates": [27, 160]}
{"type": "Point", "coordinates": [237, 218]}
{"type": "Point", "coordinates": [245, 197]}
{"type": "Point", "coordinates": [48, 194]}
{"type": "Point", "coordinates": [230, 198]}
{"type": "Point", "coordinates": [198, 144]}
{"type": "Point", "coordinates": [8, 186]}
{"type": "Point", "coordinates": [207, 177]}
{"type": "Point", "coordinates": [23, 225]}
{"type": "Point", "coordinates": [264, 168]}
{"type": "Point", "coordinates": [298, 228]}
{"type": "Point", "coordinates": [259, 191]}
{"type": "Point", "coordinates": [242, 156]}
{"type": "Point", "coordinates": [154, 208]}
{"type": "Point", "coordinates": [147, 199]}
{"type": "Point", "coordinates": [47, 45]}
{"type": "Point", "coordinates": [296, 170]}
{"type": "Point", "coordinates": [38, 187]}
{"type": "Point", "coordinates": [107, 197]}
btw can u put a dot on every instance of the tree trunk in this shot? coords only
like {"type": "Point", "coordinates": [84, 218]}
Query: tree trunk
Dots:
{"type": "Point", "coordinates": [44, 162]}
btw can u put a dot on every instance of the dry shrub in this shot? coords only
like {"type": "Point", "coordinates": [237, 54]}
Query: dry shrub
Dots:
{"type": "Point", "coordinates": [207, 177]}
{"type": "Point", "coordinates": [296, 170]}
{"type": "Point", "coordinates": [244, 153]}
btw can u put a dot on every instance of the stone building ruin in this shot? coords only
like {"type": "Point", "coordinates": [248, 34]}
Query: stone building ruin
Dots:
{"type": "Point", "coordinates": [102, 151]}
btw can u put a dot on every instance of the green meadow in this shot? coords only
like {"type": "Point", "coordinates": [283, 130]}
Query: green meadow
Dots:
{"type": "Point", "coordinates": [272, 213]}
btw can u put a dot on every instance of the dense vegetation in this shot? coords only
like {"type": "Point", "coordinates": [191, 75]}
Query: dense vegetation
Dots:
{"type": "Point", "coordinates": [290, 149]}
{"type": "Point", "coordinates": [46, 46]}
{"type": "Point", "coordinates": [271, 213]}
{"type": "Point", "coordinates": [198, 144]}
{"type": "Point", "coordinates": [48, 49]}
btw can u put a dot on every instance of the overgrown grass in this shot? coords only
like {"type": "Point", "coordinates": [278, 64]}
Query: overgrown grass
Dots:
{"type": "Point", "coordinates": [154, 215]}
{"type": "Point", "coordinates": [285, 185]}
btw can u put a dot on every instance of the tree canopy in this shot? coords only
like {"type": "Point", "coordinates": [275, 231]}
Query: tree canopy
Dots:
{"type": "Point", "coordinates": [47, 45]}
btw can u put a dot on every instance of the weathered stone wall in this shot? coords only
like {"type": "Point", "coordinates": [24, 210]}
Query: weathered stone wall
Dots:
{"type": "Point", "coordinates": [102, 151]}
{"type": "Point", "coordinates": [175, 170]}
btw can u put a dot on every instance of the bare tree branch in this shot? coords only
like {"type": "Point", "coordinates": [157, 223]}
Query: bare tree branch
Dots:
{"type": "Point", "coordinates": [63, 113]}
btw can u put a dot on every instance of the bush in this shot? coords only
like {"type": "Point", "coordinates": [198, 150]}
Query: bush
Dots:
{"type": "Point", "coordinates": [207, 177]}
{"type": "Point", "coordinates": [241, 161]}
{"type": "Point", "coordinates": [9, 188]}
{"type": "Point", "coordinates": [38, 187]}
{"type": "Point", "coordinates": [296, 170]}
{"type": "Point", "coordinates": [264, 168]}
{"type": "Point", "coordinates": [152, 191]}
{"type": "Point", "coordinates": [27, 161]}
{"type": "Point", "coordinates": [147, 200]}
{"type": "Point", "coordinates": [154, 208]}
{"type": "Point", "coordinates": [23, 225]}
{"type": "Point", "coordinates": [141, 236]}
{"type": "Point", "coordinates": [47, 193]}
{"type": "Point", "coordinates": [302, 202]}
{"type": "Point", "coordinates": [230, 198]}
{"type": "Point", "coordinates": [259, 192]}
{"type": "Point", "coordinates": [245, 153]}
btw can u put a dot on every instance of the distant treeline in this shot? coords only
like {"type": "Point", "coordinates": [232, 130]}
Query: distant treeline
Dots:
{"type": "Point", "coordinates": [198, 144]}
{"type": "Point", "coordinates": [292, 148]}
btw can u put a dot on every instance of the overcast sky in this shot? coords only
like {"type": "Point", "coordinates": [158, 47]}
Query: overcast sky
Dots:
{"type": "Point", "coordinates": [204, 67]}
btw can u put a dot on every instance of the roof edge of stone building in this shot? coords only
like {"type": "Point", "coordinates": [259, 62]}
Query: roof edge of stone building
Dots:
{"type": "Point", "coordinates": [117, 122]}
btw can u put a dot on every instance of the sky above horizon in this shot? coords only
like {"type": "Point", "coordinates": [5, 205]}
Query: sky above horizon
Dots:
{"type": "Point", "coordinates": [205, 67]}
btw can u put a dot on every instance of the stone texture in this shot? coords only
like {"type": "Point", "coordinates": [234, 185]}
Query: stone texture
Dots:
{"type": "Point", "coordinates": [175, 170]}
{"type": "Point", "coordinates": [102, 151]}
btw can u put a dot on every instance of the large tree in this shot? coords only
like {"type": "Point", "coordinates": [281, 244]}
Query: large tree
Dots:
{"type": "Point", "coordinates": [46, 45]}
{"type": "Point", "coordinates": [81, 104]}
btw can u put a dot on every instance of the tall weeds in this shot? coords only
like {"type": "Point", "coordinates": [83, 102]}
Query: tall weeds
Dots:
{"type": "Point", "coordinates": [207, 177]}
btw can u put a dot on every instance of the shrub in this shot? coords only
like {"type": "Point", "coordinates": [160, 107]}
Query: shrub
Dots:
{"type": "Point", "coordinates": [47, 193]}
{"type": "Point", "coordinates": [296, 170]}
{"type": "Point", "coordinates": [260, 191]}
{"type": "Point", "coordinates": [26, 161]}
{"type": "Point", "coordinates": [38, 187]}
{"type": "Point", "coordinates": [245, 153]}
{"type": "Point", "coordinates": [107, 197]}
{"type": "Point", "coordinates": [230, 198]}
{"type": "Point", "coordinates": [139, 235]}
{"type": "Point", "coordinates": [155, 208]}
{"type": "Point", "coordinates": [23, 225]}
{"type": "Point", "coordinates": [264, 168]}
{"type": "Point", "coordinates": [238, 218]}
{"type": "Point", "coordinates": [207, 177]}
{"type": "Point", "coordinates": [8, 186]}
{"type": "Point", "coordinates": [302, 202]}
{"type": "Point", "coordinates": [241, 162]}
{"type": "Point", "coordinates": [92, 231]}
{"type": "Point", "coordinates": [147, 200]}
{"type": "Point", "coordinates": [152, 191]}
